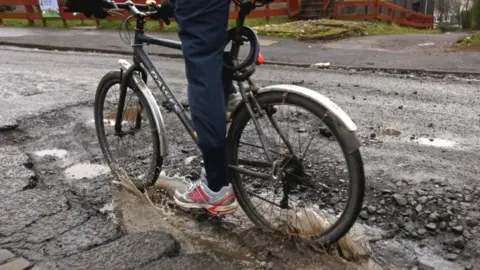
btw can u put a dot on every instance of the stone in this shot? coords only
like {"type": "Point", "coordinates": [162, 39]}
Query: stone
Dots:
{"type": "Point", "coordinates": [371, 209]}
{"type": "Point", "coordinates": [451, 256]}
{"type": "Point", "coordinates": [421, 231]}
{"type": "Point", "coordinates": [467, 235]}
{"type": "Point", "coordinates": [17, 264]}
{"type": "Point", "coordinates": [423, 199]}
{"type": "Point", "coordinates": [421, 192]}
{"type": "Point", "coordinates": [418, 208]}
{"type": "Point", "coordinates": [471, 221]}
{"type": "Point", "coordinates": [381, 211]}
{"type": "Point", "coordinates": [5, 255]}
{"type": "Point", "coordinates": [459, 242]}
{"type": "Point", "coordinates": [431, 226]}
{"type": "Point", "coordinates": [457, 229]}
{"type": "Point", "coordinates": [400, 222]}
{"type": "Point", "coordinates": [364, 214]}
{"type": "Point", "coordinates": [434, 217]}
{"type": "Point", "coordinates": [400, 200]}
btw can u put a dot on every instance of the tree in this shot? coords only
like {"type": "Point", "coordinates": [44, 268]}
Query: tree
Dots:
{"type": "Point", "coordinates": [476, 14]}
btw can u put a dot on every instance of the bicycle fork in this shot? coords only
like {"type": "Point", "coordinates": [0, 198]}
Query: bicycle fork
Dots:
{"type": "Point", "coordinates": [129, 72]}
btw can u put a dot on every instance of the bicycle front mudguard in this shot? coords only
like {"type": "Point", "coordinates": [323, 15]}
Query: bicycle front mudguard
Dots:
{"type": "Point", "coordinates": [152, 103]}
{"type": "Point", "coordinates": [333, 111]}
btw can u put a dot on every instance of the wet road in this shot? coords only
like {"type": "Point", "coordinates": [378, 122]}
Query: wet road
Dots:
{"type": "Point", "coordinates": [420, 151]}
{"type": "Point", "coordinates": [410, 52]}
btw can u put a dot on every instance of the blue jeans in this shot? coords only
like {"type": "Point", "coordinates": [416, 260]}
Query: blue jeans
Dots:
{"type": "Point", "coordinates": [203, 32]}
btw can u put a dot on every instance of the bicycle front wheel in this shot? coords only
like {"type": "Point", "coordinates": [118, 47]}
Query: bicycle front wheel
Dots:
{"type": "Point", "coordinates": [320, 185]}
{"type": "Point", "coordinates": [137, 148]}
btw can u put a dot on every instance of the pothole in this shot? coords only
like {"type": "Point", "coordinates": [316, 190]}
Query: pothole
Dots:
{"type": "Point", "coordinates": [59, 153]}
{"type": "Point", "coordinates": [435, 142]}
{"type": "Point", "coordinates": [86, 170]}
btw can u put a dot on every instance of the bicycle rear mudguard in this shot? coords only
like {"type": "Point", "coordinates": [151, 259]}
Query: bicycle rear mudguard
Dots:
{"type": "Point", "coordinates": [152, 103]}
{"type": "Point", "coordinates": [333, 111]}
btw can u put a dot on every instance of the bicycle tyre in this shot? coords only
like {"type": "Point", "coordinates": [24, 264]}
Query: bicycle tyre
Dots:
{"type": "Point", "coordinates": [107, 81]}
{"type": "Point", "coordinates": [353, 160]}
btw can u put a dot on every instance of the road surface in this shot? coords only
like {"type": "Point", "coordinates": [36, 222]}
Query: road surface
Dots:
{"type": "Point", "coordinates": [420, 149]}
{"type": "Point", "coordinates": [413, 51]}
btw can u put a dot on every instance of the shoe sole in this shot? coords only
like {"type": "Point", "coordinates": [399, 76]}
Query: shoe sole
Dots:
{"type": "Point", "coordinates": [219, 210]}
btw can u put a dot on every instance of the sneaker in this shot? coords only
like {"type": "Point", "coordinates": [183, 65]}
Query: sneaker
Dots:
{"type": "Point", "coordinates": [199, 195]}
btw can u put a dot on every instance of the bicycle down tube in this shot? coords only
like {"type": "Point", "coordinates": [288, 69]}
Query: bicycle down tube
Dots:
{"type": "Point", "coordinates": [141, 57]}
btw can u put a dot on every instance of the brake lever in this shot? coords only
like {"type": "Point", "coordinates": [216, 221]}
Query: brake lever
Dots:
{"type": "Point", "coordinates": [158, 14]}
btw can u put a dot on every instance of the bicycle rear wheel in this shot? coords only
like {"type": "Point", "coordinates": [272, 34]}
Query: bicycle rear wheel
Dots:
{"type": "Point", "coordinates": [308, 191]}
{"type": "Point", "coordinates": [137, 150]}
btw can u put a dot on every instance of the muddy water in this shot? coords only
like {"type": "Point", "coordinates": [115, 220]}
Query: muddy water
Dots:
{"type": "Point", "coordinates": [233, 239]}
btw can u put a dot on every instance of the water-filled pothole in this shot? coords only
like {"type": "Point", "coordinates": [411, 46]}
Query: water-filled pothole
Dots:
{"type": "Point", "coordinates": [86, 170]}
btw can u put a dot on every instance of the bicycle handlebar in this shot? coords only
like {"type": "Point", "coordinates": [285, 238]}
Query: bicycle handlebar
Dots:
{"type": "Point", "coordinates": [138, 9]}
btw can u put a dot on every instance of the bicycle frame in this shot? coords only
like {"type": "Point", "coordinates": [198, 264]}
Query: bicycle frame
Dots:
{"type": "Point", "coordinates": [143, 64]}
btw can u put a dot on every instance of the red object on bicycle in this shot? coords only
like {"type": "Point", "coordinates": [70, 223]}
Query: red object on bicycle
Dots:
{"type": "Point", "coordinates": [260, 59]}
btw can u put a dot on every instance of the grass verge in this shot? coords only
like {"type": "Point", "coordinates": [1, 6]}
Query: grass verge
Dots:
{"type": "Point", "coordinates": [472, 41]}
{"type": "Point", "coordinates": [150, 25]}
{"type": "Point", "coordinates": [332, 29]}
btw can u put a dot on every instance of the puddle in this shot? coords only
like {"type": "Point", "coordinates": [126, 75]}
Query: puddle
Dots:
{"type": "Point", "coordinates": [426, 44]}
{"type": "Point", "coordinates": [86, 170]}
{"type": "Point", "coordinates": [436, 142]}
{"type": "Point", "coordinates": [391, 132]}
{"type": "Point", "coordinates": [108, 122]}
{"type": "Point", "coordinates": [59, 153]}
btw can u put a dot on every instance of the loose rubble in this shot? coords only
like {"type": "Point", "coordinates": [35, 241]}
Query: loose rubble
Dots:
{"type": "Point", "coordinates": [430, 212]}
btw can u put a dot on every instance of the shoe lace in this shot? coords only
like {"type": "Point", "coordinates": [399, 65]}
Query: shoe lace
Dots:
{"type": "Point", "coordinates": [194, 185]}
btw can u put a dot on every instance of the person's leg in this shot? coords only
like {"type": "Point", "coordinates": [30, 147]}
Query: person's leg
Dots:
{"type": "Point", "coordinates": [202, 30]}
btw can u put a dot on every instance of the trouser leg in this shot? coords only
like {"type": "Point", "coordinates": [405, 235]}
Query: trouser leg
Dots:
{"type": "Point", "coordinates": [202, 30]}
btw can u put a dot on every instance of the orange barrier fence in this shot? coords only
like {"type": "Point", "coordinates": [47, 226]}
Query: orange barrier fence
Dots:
{"type": "Point", "coordinates": [32, 11]}
{"type": "Point", "coordinates": [383, 11]}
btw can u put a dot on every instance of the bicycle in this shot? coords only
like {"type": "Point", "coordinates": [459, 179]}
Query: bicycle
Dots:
{"type": "Point", "coordinates": [291, 174]}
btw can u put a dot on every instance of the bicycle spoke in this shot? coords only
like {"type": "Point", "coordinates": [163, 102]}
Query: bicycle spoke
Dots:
{"type": "Point", "coordinates": [277, 128]}
{"type": "Point", "coordinates": [263, 199]}
{"type": "Point", "coordinates": [260, 147]}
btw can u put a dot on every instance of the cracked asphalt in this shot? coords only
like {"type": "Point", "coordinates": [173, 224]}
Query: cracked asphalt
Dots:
{"type": "Point", "coordinates": [418, 133]}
